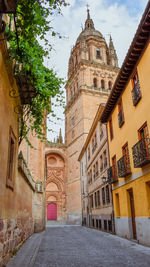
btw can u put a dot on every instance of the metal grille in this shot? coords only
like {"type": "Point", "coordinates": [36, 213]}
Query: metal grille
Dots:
{"type": "Point", "coordinates": [136, 94]}
{"type": "Point", "coordinates": [141, 152]}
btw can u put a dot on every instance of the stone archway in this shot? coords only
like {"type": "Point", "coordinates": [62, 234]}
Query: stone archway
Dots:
{"type": "Point", "coordinates": [55, 187]}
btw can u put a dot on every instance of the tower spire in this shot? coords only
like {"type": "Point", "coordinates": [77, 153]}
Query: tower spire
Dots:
{"type": "Point", "coordinates": [88, 12]}
{"type": "Point", "coordinates": [89, 22]}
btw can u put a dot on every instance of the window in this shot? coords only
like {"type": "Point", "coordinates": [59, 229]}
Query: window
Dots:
{"type": "Point", "coordinates": [120, 114]}
{"type": "Point", "coordinates": [95, 140]}
{"type": "Point", "coordinates": [105, 225]}
{"type": "Point", "coordinates": [107, 194]}
{"type": "Point", "coordinates": [96, 169]}
{"type": "Point", "coordinates": [93, 223]}
{"type": "Point", "coordinates": [109, 85]}
{"type": "Point", "coordinates": [105, 159]}
{"type": "Point", "coordinates": [102, 84]}
{"type": "Point", "coordinates": [11, 159]}
{"type": "Point", "coordinates": [95, 83]}
{"type": "Point", "coordinates": [98, 53]}
{"type": "Point", "coordinates": [111, 129]}
{"type": "Point", "coordinates": [103, 195]}
{"type": "Point", "coordinates": [100, 224]}
{"type": "Point", "coordinates": [126, 159]}
{"type": "Point", "coordinates": [117, 213]}
{"type": "Point", "coordinates": [143, 132]}
{"type": "Point", "coordinates": [98, 197]}
{"type": "Point", "coordinates": [96, 223]}
{"type": "Point", "coordinates": [88, 153]}
{"type": "Point", "coordinates": [101, 132]}
{"type": "Point", "coordinates": [101, 163]}
{"type": "Point", "coordinates": [91, 201]}
{"type": "Point", "coordinates": [136, 91]}
{"type": "Point", "coordinates": [95, 199]}
{"type": "Point", "coordinates": [114, 167]}
{"type": "Point", "coordinates": [110, 225]}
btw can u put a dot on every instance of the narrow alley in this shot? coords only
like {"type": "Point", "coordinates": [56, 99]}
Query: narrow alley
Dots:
{"type": "Point", "coordinates": [73, 246]}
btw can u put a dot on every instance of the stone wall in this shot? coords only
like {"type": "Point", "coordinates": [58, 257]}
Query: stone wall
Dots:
{"type": "Point", "coordinates": [13, 232]}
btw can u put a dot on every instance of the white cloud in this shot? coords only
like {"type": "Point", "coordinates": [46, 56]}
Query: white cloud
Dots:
{"type": "Point", "coordinates": [108, 18]}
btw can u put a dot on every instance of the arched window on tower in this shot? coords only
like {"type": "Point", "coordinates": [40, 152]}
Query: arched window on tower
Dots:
{"type": "Point", "coordinates": [109, 85]}
{"type": "Point", "coordinates": [98, 53]}
{"type": "Point", "coordinates": [102, 84]}
{"type": "Point", "coordinates": [95, 83]}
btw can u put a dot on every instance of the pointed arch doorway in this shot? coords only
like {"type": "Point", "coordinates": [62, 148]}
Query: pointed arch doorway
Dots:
{"type": "Point", "coordinates": [51, 211]}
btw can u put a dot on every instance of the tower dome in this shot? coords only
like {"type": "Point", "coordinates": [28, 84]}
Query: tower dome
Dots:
{"type": "Point", "coordinates": [89, 30]}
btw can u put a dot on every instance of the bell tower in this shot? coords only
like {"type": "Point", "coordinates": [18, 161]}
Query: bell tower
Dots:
{"type": "Point", "coordinates": [91, 74]}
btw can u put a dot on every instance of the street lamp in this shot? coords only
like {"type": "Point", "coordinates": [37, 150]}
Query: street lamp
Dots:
{"type": "Point", "coordinates": [104, 179]}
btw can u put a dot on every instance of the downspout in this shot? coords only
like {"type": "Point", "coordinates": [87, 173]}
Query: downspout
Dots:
{"type": "Point", "coordinates": [81, 191]}
{"type": "Point", "coordinates": [88, 218]}
{"type": "Point", "coordinates": [113, 221]}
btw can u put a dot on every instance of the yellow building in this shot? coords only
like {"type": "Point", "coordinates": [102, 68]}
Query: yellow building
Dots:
{"type": "Point", "coordinates": [127, 114]}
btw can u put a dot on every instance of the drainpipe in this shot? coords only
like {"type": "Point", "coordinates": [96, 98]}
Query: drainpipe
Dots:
{"type": "Point", "coordinates": [81, 190]}
{"type": "Point", "coordinates": [113, 221]}
{"type": "Point", "coordinates": [88, 218]}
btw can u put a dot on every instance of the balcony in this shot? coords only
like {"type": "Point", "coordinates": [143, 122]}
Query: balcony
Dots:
{"type": "Point", "coordinates": [94, 147]}
{"type": "Point", "coordinates": [112, 175]}
{"type": "Point", "coordinates": [124, 168]}
{"type": "Point", "coordinates": [141, 152]}
{"type": "Point", "coordinates": [136, 94]}
{"type": "Point", "coordinates": [120, 118]}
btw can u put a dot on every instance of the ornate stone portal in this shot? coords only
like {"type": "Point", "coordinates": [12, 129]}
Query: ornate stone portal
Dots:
{"type": "Point", "coordinates": [56, 186]}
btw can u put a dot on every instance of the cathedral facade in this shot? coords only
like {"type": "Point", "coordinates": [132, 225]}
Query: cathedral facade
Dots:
{"type": "Point", "coordinates": [92, 70]}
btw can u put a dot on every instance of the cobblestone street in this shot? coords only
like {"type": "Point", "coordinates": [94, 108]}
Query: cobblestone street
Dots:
{"type": "Point", "coordinates": [72, 246]}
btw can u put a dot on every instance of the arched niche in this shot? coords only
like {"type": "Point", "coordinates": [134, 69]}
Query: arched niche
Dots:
{"type": "Point", "coordinates": [52, 187]}
{"type": "Point", "coordinates": [52, 199]}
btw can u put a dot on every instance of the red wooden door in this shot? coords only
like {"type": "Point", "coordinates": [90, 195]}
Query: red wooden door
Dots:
{"type": "Point", "coordinates": [52, 211]}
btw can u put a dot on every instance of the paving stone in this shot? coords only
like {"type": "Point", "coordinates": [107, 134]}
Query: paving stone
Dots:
{"type": "Point", "coordinates": [70, 246]}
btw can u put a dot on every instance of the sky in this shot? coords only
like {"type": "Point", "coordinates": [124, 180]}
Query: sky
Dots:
{"type": "Point", "coordinates": [120, 18]}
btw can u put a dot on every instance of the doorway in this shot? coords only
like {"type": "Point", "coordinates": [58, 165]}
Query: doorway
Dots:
{"type": "Point", "coordinates": [52, 211]}
{"type": "Point", "coordinates": [132, 212]}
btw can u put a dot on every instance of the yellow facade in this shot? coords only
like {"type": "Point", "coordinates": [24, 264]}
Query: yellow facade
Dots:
{"type": "Point", "coordinates": [139, 179]}
{"type": "Point", "coordinates": [128, 123]}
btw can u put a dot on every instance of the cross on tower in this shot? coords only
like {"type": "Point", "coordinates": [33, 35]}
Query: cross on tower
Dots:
{"type": "Point", "coordinates": [87, 6]}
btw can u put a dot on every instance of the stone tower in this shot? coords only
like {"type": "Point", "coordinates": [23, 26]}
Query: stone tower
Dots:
{"type": "Point", "coordinates": [92, 70]}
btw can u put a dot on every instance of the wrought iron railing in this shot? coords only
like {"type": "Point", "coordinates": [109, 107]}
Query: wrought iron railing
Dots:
{"type": "Point", "coordinates": [112, 175]}
{"type": "Point", "coordinates": [136, 94]}
{"type": "Point", "coordinates": [124, 168]}
{"type": "Point", "coordinates": [141, 152]}
{"type": "Point", "coordinates": [120, 118]}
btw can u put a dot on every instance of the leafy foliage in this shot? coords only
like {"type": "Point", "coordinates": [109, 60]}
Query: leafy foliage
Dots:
{"type": "Point", "coordinates": [31, 24]}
